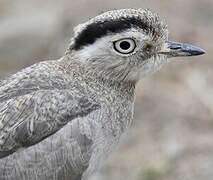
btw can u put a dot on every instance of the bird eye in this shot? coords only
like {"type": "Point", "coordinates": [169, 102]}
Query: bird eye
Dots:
{"type": "Point", "coordinates": [125, 46]}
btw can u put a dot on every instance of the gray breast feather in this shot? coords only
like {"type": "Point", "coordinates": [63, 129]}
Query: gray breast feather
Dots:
{"type": "Point", "coordinates": [28, 119]}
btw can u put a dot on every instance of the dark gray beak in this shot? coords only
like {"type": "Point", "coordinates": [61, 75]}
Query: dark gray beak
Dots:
{"type": "Point", "coordinates": [175, 49]}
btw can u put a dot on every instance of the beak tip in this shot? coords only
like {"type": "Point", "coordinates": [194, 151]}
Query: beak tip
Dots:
{"type": "Point", "coordinates": [197, 52]}
{"type": "Point", "coordinates": [184, 49]}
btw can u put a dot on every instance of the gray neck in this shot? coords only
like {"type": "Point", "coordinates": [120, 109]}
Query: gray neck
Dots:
{"type": "Point", "coordinates": [89, 75]}
{"type": "Point", "coordinates": [118, 94]}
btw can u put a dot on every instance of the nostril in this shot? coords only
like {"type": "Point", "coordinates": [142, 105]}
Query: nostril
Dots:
{"type": "Point", "coordinates": [174, 46]}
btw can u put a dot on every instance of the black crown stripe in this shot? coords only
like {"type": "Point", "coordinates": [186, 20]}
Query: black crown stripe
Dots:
{"type": "Point", "coordinates": [99, 29]}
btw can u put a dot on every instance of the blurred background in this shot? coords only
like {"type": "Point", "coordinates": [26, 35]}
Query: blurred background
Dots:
{"type": "Point", "coordinates": [172, 134]}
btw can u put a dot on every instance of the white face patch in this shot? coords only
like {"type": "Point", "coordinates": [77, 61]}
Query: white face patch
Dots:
{"type": "Point", "coordinates": [103, 58]}
{"type": "Point", "coordinates": [148, 67]}
{"type": "Point", "coordinates": [104, 46]}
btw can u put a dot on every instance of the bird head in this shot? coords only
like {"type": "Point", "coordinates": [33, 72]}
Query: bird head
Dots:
{"type": "Point", "coordinates": [126, 44]}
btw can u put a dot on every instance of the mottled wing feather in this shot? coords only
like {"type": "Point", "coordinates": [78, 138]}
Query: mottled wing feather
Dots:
{"type": "Point", "coordinates": [41, 76]}
{"type": "Point", "coordinates": [35, 103]}
{"type": "Point", "coordinates": [28, 119]}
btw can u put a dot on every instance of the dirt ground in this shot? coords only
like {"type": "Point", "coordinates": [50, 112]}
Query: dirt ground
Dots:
{"type": "Point", "coordinates": [172, 134]}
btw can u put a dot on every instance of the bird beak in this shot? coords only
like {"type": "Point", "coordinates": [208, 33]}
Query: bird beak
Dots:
{"type": "Point", "coordinates": [175, 49]}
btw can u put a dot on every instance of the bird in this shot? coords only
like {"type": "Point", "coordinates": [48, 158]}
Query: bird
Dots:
{"type": "Point", "coordinates": [61, 119]}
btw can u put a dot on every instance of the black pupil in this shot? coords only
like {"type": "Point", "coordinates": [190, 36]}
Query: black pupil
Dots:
{"type": "Point", "coordinates": [125, 45]}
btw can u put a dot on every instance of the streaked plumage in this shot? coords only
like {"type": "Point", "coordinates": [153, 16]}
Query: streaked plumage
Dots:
{"type": "Point", "coordinates": [60, 119]}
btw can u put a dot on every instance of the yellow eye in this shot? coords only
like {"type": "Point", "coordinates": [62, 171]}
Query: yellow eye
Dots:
{"type": "Point", "coordinates": [125, 46]}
